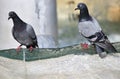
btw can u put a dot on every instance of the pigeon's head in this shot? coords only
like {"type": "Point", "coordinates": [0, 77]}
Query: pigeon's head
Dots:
{"type": "Point", "coordinates": [81, 6]}
{"type": "Point", "coordinates": [12, 14]}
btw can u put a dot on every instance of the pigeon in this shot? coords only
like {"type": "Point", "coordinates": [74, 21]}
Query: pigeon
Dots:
{"type": "Point", "coordinates": [91, 30]}
{"type": "Point", "coordinates": [23, 32]}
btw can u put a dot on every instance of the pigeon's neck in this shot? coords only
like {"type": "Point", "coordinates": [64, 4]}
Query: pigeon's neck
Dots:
{"type": "Point", "coordinates": [84, 16]}
{"type": "Point", "coordinates": [17, 21]}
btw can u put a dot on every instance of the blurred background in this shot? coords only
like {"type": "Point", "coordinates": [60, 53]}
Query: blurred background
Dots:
{"type": "Point", "coordinates": [63, 17]}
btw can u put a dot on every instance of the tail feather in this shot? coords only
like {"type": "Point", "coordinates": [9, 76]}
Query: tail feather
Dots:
{"type": "Point", "coordinates": [107, 46]}
{"type": "Point", "coordinates": [100, 51]}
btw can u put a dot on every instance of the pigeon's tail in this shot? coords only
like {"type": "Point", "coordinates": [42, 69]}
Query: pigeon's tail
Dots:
{"type": "Point", "coordinates": [100, 51]}
{"type": "Point", "coordinates": [105, 46]}
{"type": "Point", "coordinates": [37, 45]}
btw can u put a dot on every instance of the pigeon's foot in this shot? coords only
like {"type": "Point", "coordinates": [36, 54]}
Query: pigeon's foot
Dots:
{"type": "Point", "coordinates": [18, 48]}
{"type": "Point", "coordinates": [31, 49]}
{"type": "Point", "coordinates": [84, 45]}
{"type": "Point", "coordinates": [102, 54]}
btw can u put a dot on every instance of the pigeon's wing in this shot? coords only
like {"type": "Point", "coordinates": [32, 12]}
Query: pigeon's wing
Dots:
{"type": "Point", "coordinates": [95, 22]}
{"type": "Point", "coordinates": [31, 33]}
{"type": "Point", "coordinates": [88, 28]}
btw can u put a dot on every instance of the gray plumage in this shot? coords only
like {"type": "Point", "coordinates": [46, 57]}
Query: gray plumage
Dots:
{"type": "Point", "coordinates": [23, 32]}
{"type": "Point", "coordinates": [90, 29]}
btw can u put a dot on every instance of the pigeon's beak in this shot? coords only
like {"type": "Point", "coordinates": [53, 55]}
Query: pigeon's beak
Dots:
{"type": "Point", "coordinates": [9, 17]}
{"type": "Point", "coordinates": [77, 8]}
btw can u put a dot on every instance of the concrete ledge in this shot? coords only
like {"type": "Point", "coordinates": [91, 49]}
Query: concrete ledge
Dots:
{"type": "Point", "coordinates": [46, 53]}
{"type": "Point", "coordinates": [65, 67]}
{"type": "Point", "coordinates": [69, 62]}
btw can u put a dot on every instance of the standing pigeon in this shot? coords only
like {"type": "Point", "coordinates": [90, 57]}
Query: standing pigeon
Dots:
{"type": "Point", "coordinates": [23, 32]}
{"type": "Point", "coordinates": [90, 29]}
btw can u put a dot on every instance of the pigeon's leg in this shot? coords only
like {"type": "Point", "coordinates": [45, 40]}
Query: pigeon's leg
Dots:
{"type": "Point", "coordinates": [18, 48]}
{"type": "Point", "coordinates": [30, 48]}
{"type": "Point", "coordinates": [84, 45]}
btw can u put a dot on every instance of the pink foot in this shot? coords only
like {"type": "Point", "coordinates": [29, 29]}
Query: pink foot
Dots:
{"type": "Point", "coordinates": [84, 45]}
{"type": "Point", "coordinates": [31, 49]}
{"type": "Point", "coordinates": [18, 48]}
